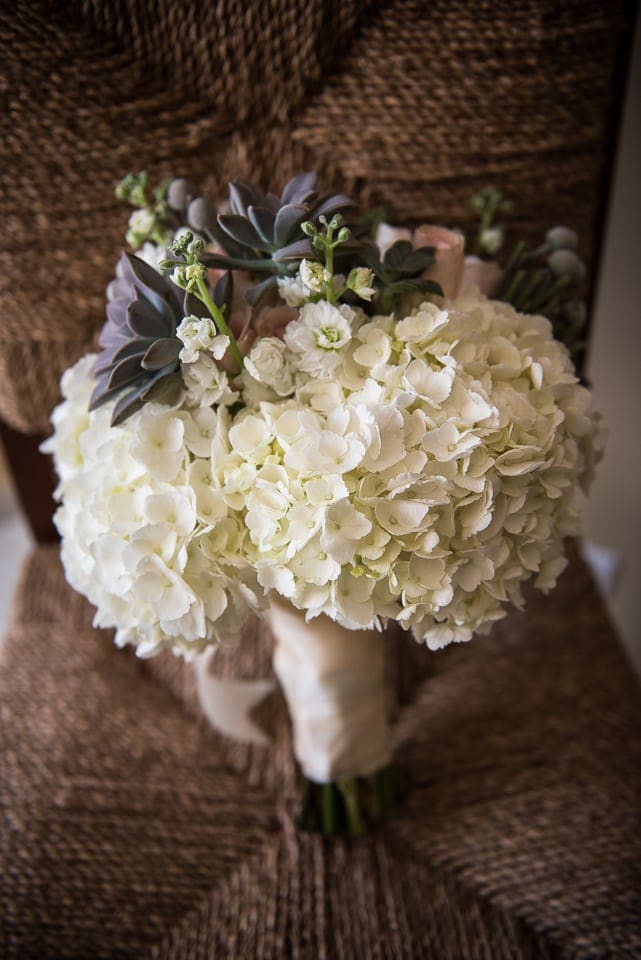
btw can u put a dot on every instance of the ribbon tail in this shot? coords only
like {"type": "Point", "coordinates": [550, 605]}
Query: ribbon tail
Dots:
{"type": "Point", "coordinates": [227, 704]}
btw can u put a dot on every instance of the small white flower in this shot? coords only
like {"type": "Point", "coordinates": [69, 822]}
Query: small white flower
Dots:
{"type": "Point", "coordinates": [174, 508]}
{"type": "Point", "coordinates": [293, 291]}
{"type": "Point", "coordinates": [210, 500]}
{"type": "Point", "coordinates": [344, 526]}
{"type": "Point", "coordinates": [207, 385]}
{"type": "Point", "coordinates": [375, 349]}
{"type": "Point", "coordinates": [314, 276]}
{"type": "Point", "coordinates": [152, 254]}
{"type": "Point", "coordinates": [491, 240]}
{"type": "Point", "coordinates": [158, 443]}
{"type": "Point", "coordinates": [319, 336]}
{"type": "Point", "coordinates": [158, 585]}
{"type": "Point", "coordinates": [433, 384]}
{"type": "Point", "coordinates": [313, 565]}
{"type": "Point", "coordinates": [141, 226]}
{"type": "Point", "coordinates": [423, 324]}
{"type": "Point", "coordinates": [355, 601]}
{"type": "Point", "coordinates": [447, 442]}
{"type": "Point", "coordinates": [400, 517]}
{"type": "Point", "coordinates": [251, 437]}
{"type": "Point", "coordinates": [267, 363]}
{"type": "Point", "coordinates": [274, 577]}
{"type": "Point", "coordinates": [198, 334]}
{"type": "Point", "coordinates": [361, 281]}
{"type": "Point", "coordinates": [387, 235]}
{"type": "Point", "coordinates": [334, 453]}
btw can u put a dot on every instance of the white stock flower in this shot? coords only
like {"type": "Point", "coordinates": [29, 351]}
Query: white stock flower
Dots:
{"type": "Point", "coordinates": [200, 334]}
{"type": "Point", "coordinates": [314, 275]}
{"type": "Point", "coordinates": [267, 363]}
{"type": "Point", "coordinates": [361, 281]}
{"type": "Point", "coordinates": [207, 385]}
{"type": "Point", "coordinates": [293, 291]}
{"type": "Point", "coordinates": [141, 226]}
{"type": "Point", "coordinates": [319, 337]}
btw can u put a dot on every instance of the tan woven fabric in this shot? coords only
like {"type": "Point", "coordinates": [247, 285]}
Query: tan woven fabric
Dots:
{"type": "Point", "coordinates": [402, 102]}
{"type": "Point", "coordinates": [128, 830]}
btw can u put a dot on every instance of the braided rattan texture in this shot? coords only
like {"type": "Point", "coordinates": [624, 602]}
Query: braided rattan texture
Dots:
{"type": "Point", "coordinates": [409, 104]}
{"type": "Point", "coordinates": [128, 830]}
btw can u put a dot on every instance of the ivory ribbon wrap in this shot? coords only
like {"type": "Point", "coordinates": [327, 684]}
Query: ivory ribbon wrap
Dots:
{"type": "Point", "coordinates": [334, 683]}
{"type": "Point", "coordinates": [227, 704]}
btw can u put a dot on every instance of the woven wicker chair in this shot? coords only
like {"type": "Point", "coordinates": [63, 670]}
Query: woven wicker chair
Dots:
{"type": "Point", "coordinates": [129, 829]}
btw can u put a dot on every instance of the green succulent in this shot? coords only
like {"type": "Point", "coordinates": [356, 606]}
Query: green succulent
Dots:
{"type": "Point", "coordinates": [139, 358]}
{"type": "Point", "coordinates": [400, 271]}
{"type": "Point", "coordinates": [262, 233]}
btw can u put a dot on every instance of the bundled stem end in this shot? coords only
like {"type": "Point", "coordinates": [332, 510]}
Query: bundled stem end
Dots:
{"type": "Point", "coordinates": [348, 807]}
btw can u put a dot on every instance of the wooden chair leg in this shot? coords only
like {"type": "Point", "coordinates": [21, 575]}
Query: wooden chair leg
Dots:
{"type": "Point", "coordinates": [33, 479]}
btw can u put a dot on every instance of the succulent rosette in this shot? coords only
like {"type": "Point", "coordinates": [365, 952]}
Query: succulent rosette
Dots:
{"type": "Point", "coordinates": [403, 449]}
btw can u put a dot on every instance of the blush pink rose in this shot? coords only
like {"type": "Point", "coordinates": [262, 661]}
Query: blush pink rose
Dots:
{"type": "Point", "coordinates": [271, 321]}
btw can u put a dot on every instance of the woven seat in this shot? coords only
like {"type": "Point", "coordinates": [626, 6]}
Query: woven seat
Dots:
{"type": "Point", "coordinates": [127, 831]}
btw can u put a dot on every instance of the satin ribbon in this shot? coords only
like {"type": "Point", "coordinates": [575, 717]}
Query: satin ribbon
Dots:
{"type": "Point", "coordinates": [228, 704]}
{"type": "Point", "coordinates": [334, 683]}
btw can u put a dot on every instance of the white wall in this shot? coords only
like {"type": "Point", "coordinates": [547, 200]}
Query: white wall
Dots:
{"type": "Point", "coordinates": [613, 518]}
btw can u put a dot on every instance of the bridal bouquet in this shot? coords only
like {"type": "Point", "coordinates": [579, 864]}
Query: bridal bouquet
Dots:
{"type": "Point", "coordinates": [332, 426]}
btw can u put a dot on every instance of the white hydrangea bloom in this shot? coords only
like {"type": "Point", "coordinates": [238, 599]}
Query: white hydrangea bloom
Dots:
{"type": "Point", "coordinates": [139, 504]}
{"type": "Point", "coordinates": [416, 468]}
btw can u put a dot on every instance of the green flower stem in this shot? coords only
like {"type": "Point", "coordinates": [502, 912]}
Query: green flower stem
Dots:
{"type": "Point", "coordinates": [512, 264]}
{"type": "Point", "coordinates": [330, 812]}
{"type": "Point", "coordinates": [349, 792]}
{"type": "Point", "coordinates": [387, 300]}
{"type": "Point", "coordinates": [549, 299]}
{"type": "Point", "coordinates": [348, 807]}
{"type": "Point", "coordinates": [513, 288]}
{"type": "Point", "coordinates": [388, 786]}
{"type": "Point", "coordinates": [329, 264]}
{"type": "Point", "coordinates": [219, 320]}
{"type": "Point", "coordinates": [376, 804]}
{"type": "Point", "coordinates": [531, 287]}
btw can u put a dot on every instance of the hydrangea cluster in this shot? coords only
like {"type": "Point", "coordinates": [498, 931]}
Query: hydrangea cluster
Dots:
{"type": "Point", "coordinates": [416, 467]}
{"type": "Point", "coordinates": [146, 535]}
